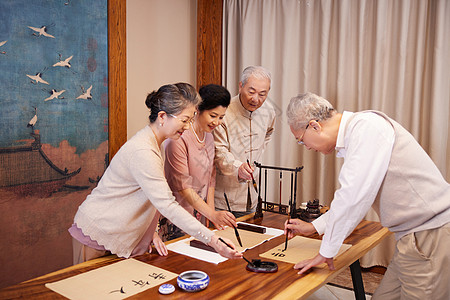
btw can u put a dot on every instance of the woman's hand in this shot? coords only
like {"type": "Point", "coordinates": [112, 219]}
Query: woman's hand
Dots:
{"type": "Point", "coordinates": [293, 227]}
{"type": "Point", "coordinates": [307, 264]}
{"type": "Point", "coordinates": [223, 249]}
{"type": "Point", "coordinates": [159, 245]}
{"type": "Point", "coordinates": [221, 219]}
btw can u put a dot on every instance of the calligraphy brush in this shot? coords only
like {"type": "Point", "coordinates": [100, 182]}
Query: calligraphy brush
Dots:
{"type": "Point", "coordinates": [235, 229]}
{"type": "Point", "coordinates": [253, 179]}
{"type": "Point", "coordinates": [287, 230]}
{"type": "Point", "coordinates": [220, 239]}
{"type": "Point", "coordinates": [281, 182]}
{"type": "Point", "coordinates": [258, 213]}
{"type": "Point", "coordinates": [247, 260]}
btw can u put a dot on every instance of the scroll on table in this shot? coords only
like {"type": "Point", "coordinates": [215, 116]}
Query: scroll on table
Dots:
{"type": "Point", "coordinates": [249, 240]}
{"type": "Point", "coordinates": [299, 248]}
{"type": "Point", "coordinates": [116, 281]}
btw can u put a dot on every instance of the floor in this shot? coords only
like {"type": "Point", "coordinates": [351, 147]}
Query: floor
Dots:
{"type": "Point", "coordinates": [341, 287]}
{"type": "Point", "coordinates": [329, 292]}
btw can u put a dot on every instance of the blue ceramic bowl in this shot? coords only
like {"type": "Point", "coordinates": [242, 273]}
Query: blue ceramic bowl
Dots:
{"type": "Point", "coordinates": [193, 281]}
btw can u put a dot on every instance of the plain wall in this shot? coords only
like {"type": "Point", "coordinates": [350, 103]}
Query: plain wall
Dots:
{"type": "Point", "coordinates": [161, 49]}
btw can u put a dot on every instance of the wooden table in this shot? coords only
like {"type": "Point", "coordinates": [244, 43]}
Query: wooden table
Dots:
{"type": "Point", "coordinates": [230, 279]}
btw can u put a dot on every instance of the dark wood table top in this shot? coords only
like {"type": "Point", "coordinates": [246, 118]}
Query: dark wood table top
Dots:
{"type": "Point", "coordinates": [229, 279]}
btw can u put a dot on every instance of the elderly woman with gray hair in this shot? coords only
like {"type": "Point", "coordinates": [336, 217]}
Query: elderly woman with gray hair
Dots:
{"type": "Point", "coordinates": [385, 167]}
{"type": "Point", "coordinates": [121, 214]}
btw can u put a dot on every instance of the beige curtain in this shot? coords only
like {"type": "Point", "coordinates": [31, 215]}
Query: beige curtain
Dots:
{"type": "Point", "coordinates": [392, 56]}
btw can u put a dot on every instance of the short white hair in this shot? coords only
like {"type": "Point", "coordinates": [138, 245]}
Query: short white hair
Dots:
{"type": "Point", "coordinates": [258, 72]}
{"type": "Point", "coordinates": [306, 107]}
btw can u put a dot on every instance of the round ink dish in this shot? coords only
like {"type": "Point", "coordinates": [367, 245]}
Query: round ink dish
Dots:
{"type": "Point", "coordinates": [166, 289]}
{"type": "Point", "coordinates": [259, 266]}
{"type": "Point", "coordinates": [193, 281]}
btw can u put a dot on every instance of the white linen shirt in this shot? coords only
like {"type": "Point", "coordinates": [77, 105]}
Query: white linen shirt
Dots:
{"type": "Point", "coordinates": [365, 142]}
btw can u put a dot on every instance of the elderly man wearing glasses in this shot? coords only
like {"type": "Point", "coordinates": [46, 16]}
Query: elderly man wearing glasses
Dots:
{"type": "Point", "coordinates": [387, 168]}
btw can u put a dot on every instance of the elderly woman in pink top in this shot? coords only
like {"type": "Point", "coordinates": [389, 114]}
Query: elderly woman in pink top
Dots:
{"type": "Point", "coordinates": [189, 163]}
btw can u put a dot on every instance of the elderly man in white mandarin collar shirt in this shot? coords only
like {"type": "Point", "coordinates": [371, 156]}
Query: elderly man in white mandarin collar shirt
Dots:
{"type": "Point", "coordinates": [243, 135]}
{"type": "Point", "coordinates": [385, 167]}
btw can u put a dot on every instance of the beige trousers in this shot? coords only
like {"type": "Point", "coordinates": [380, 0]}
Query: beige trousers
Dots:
{"type": "Point", "coordinates": [420, 267]}
{"type": "Point", "coordinates": [82, 253]}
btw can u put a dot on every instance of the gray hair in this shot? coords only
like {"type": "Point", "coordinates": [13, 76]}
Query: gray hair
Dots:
{"type": "Point", "coordinates": [171, 98]}
{"type": "Point", "coordinates": [306, 107]}
{"type": "Point", "coordinates": [258, 72]}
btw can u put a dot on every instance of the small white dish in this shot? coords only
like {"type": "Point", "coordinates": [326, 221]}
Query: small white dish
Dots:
{"type": "Point", "coordinates": [166, 289]}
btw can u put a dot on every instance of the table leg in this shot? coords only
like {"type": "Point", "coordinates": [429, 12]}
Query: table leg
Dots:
{"type": "Point", "coordinates": [358, 284]}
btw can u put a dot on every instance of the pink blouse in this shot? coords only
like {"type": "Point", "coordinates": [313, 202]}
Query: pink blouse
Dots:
{"type": "Point", "coordinates": [189, 164]}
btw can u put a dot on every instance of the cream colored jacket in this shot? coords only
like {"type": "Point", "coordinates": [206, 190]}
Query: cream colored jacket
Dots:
{"type": "Point", "coordinates": [243, 135]}
{"type": "Point", "coordinates": [133, 188]}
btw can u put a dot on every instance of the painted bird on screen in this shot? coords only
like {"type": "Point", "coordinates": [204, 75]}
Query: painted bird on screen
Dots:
{"type": "Point", "coordinates": [33, 120]}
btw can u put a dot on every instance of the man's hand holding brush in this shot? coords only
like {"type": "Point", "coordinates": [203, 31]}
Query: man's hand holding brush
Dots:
{"type": "Point", "coordinates": [293, 227]}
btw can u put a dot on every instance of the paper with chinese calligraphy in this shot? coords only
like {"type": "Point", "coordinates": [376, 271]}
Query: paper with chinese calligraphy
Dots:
{"type": "Point", "coordinates": [116, 281]}
{"type": "Point", "coordinates": [249, 240]}
{"type": "Point", "coordinates": [299, 248]}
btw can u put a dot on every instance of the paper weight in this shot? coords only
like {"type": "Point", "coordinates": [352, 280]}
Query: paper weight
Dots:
{"type": "Point", "coordinates": [166, 289]}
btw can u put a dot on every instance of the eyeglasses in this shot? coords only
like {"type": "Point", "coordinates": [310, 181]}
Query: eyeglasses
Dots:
{"type": "Point", "coordinates": [300, 140]}
{"type": "Point", "coordinates": [185, 122]}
